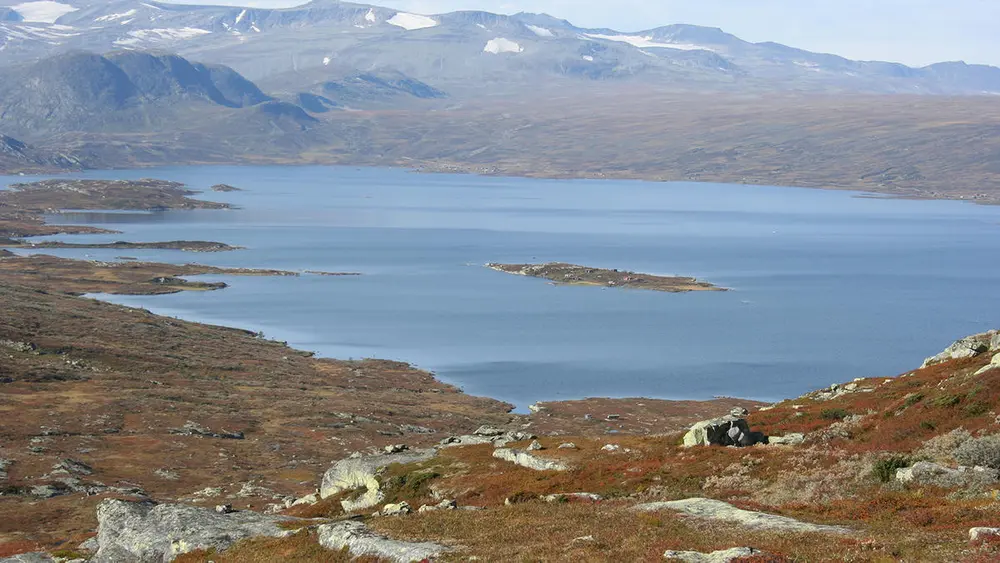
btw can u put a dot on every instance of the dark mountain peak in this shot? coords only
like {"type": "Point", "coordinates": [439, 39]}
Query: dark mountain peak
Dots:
{"type": "Point", "coordinates": [11, 146]}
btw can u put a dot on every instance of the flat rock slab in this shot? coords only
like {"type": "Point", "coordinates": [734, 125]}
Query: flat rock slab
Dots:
{"type": "Point", "coordinates": [525, 459]}
{"type": "Point", "coordinates": [709, 509]}
{"type": "Point", "coordinates": [148, 533]}
{"type": "Point", "coordinates": [724, 556]}
{"type": "Point", "coordinates": [361, 541]}
{"type": "Point", "coordinates": [36, 557]}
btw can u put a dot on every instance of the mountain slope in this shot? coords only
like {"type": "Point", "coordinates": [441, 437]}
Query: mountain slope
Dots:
{"type": "Point", "coordinates": [459, 51]}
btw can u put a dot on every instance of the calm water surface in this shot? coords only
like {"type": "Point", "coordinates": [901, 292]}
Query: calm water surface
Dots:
{"type": "Point", "coordinates": [827, 286]}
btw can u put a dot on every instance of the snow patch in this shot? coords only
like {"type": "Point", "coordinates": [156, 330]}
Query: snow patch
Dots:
{"type": "Point", "coordinates": [370, 16]}
{"type": "Point", "coordinates": [540, 31]}
{"type": "Point", "coordinates": [43, 12]}
{"type": "Point", "coordinates": [480, 26]}
{"type": "Point", "coordinates": [240, 17]}
{"type": "Point", "coordinates": [114, 17]}
{"type": "Point", "coordinates": [502, 45]}
{"type": "Point", "coordinates": [588, 58]}
{"type": "Point", "coordinates": [160, 35]}
{"type": "Point", "coordinates": [254, 27]}
{"type": "Point", "coordinates": [411, 22]}
{"type": "Point", "coordinates": [326, 61]}
{"type": "Point", "coordinates": [646, 42]}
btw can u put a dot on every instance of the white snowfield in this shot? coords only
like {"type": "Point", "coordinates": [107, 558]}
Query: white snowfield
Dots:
{"type": "Point", "coordinates": [160, 35]}
{"type": "Point", "coordinates": [43, 12]}
{"type": "Point", "coordinates": [502, 45]}
{"type": "Point", "coordinates": [115, 17]}
{"type": "Point", "coordinates": [646, 42]}
{"type": "Point", "coordinates": [370, 16]}
{"type": "Point", "coordinates": [540, 31]}
{"type": "Point", "coordinates": [411, 22]}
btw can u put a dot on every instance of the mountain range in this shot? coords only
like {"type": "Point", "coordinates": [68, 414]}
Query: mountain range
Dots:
{"type": "Point", "coordinates": [456, 52]}
{"type": "Point", "coordinates": [124, 83]}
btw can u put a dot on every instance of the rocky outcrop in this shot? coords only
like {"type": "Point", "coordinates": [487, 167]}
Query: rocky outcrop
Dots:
{"type": "Point", "coordinates": [980, 534]}
{"type": "Point", "coordinates": [488, 435]}
{"type": "Point", "coordinates": [360, 541]}
{"type": "Point", "coordinates": [362, 473]}
{"type": "Point", "coordinates": [147, 532]}
{"type": "Point", "coordinates": [724, 556]}
{"type": "Point", "coordinates": [794, 439]}
{"type": "Point", "coordinates": [726, 431]}
{"type": "Point", "coordinates": [994, 363]}
{"type": "Point", "coordinates": [566, 497]}
{"type": "Point", "coordinates": [708, 509]}
{"type": "Point", "coordinates": [34, 557]}
{"type": "Point", "coordinates": [933, 474]}
{"type": "Point", "coordinates": [525, 459]}
{"type": "Point", "coordinates": [968, 347]}
{"type": "Point", "coordinates": [194, 429]}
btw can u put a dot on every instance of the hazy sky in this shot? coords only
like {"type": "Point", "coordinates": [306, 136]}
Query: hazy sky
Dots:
{"type": "Point", "coordinates": [915, 32]}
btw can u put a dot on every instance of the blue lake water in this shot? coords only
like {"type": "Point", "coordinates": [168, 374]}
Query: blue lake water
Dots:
{"type": "Point", "coordinates": [827, 286]}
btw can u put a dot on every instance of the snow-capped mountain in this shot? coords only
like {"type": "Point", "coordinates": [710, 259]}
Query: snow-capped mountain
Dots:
{"type": "Point", "coordinates": [456, 51]}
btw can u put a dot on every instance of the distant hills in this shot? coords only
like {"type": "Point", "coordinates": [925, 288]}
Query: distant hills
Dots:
{"type": "Point", "coordinates": [458, 51]}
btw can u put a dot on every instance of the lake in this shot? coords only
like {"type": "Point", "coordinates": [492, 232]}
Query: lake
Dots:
{"type": "Point", "coordinates": [827, 286]}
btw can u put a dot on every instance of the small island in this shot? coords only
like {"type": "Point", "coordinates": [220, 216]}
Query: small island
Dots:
{"type": "Point", "coordinates": [572, 274]}
{"type": "Point", "coordinates": [225, 188]}
{"type": "Point", "coordinates": [185, 245]}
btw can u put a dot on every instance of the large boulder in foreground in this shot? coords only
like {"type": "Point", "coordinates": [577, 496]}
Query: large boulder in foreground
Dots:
{"type": "Point", "coordinates": [362, 473]}
{"type": "Point", "coordinates": [360, 541]}
{"type": "Point", "coordinates": [968, 347]}
{"type": "Point", "coordinates": [726, 431]}
{"type": "Point", "coordinates": [143, 532]}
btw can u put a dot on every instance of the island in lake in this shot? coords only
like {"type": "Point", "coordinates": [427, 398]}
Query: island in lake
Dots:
{"type": "Point", "coordinates": [573, 274]}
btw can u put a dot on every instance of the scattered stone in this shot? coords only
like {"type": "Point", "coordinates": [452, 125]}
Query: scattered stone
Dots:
{"type": "Point", "coordinates": [567, 446]}
{"type": "Point", "coordinates": [360, 542]}
{"type": "Point", "coordinates": [724, 556]}
{"type": "Point", "coordinates": [48, 491]}
{"type": "Point", "coordinates": [443, 505]}
{"type": "Point", "coordinates": [739, 412]}
{"type": "Point", "coordinates": [488, 431]}
{"type": "Point", "coordinates": [396, 448]}
{"type": "Point", "coordinates": [362, 473]}
{"type": "Point", "coordinates": [611, 448]}
{"type": "Point", "coordinates": [583, 539]}
{"type": "Point", "coordinates": [980, 534]}
{"type": "Point", "coordinates": [453, 441]}
{"type": "Point", "coordinates": [968, 347]}
{"type": "Point", "coordinates": [208, 492]}
{"type": "Point", "coordinates": [308, 499]}
{"type": "Point", "coordinates": [251, 490]}
{"type": "Point", "coordinates": [147, 532]}
{"type": "Point", "coordinates": [725, 431]}
{"type": "Point", "coordinates": [612, 417]}
{"type": "Point", "coordinates": [937, 475]}
{"type": "Point", "coordinates": [787, 440]}
{"type": "Point", "coordinates": [194, 429]}
{"type": "Point", "coordinates": [224, 508]}
{"type": "Point", "coordinates": [4, 465]}
{"type": "Point", "coordinates": [535, 446]}
{"type": "Point", "coordinates": [400, 509]}
{"type": "Point", "coordinates": [564, 497]}
{"type": "Point", "coordinates": [71, 467]}
{"type": "Point", "coordinates": [525, 459]}
{"type": "Point", "coordinates": [537, 408]}
{"type": "Point", "coordinates": [167, 474]}
{"type": "Point", "coordinates": [709, 509]}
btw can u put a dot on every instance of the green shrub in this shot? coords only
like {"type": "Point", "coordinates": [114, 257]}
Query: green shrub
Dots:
{"type": "Point", "coordinates": [983, 452]}
{"type": "Point", "coordinates": [834, 414]}
{"type": "Point", "coordinates": [928, 425]}
{"type": "Point", "coordinates": [977, 409]}
{"type": "Point", "coordinates": [885, 469]}
{"type": "Point", "coordinates": [913, 399]}
{"type": "Point", "coordinates": [946, 401]}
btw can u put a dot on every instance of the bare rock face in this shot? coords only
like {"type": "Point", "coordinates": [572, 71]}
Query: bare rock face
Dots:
{"type": "Point", "coordinates": [34, 557]}
{"type": "Point", "coordinates": [724, 556]}
{"type": "Point", "coordinates": [933, 474]}
{"type": "Point", "coordinates": [147, 532]}
{"type": "Point", "coordinates": [362, 473]}
{"type": "Point", "coordinates": [525, 459]}
{"type": "Point", "coordinates": [968, 347]}
{"type": "Point", "coordinates": [361, 541]}
{"type": "Point", "coordinates": [708, 509]}
{"type": "Point", "coordinates": [726, 431]}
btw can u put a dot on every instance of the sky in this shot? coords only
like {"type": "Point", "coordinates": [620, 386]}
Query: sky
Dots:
{"type": "Point", "coordinates": [915, 32]}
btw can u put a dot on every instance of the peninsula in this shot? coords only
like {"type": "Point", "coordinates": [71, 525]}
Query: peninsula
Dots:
{"type": "Point", "coordinates": [572, 274]}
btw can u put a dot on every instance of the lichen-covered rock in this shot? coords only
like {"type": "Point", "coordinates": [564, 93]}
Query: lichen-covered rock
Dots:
{"type": "Point", "coordinates": [147, 532]}
{"type": "Point", "coordinates": [34, 557]}
{"type": "Point", "coordinates": [968, 347]}
{"type": "Point", "coordinates": [362, 473]}
{"type": "Point", "coordinates": [724, 556]}
{"type": "Point", "coordinates": [708, 509]}
{"type": "Point", "coordinates": [980, 534]}
{"type": "Point", "coordinates": [793, 439]}
{"type": "Point", "coordinates": [933, 474]}
{"type": "Point", "coordinates": [525, 459]}
{"type": "Point", "coordinates": [360, 541]}
{"type": "Point", "coordinates": [565, 497]}
{"type": "Point", "coordinates": [994, 364]}
{"type": "Point", "coordinates": [725, 431]}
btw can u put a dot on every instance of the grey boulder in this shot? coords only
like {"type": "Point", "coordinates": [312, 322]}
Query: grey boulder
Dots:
{"type": "Point", "coordinates": [360, 541]}
{"type": "Point", "coordinates": [362, 473]}
{"type": "Point", "coordinates": [145, 532]}
{"type": "Point", "coordinates": [968, 347]}
{"type": "Point", "coordinates": [525, 459]}
{"type": "Point", "coordinates": [724, 556]}
{"type": "Point", "coordinates": [725, 431]}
